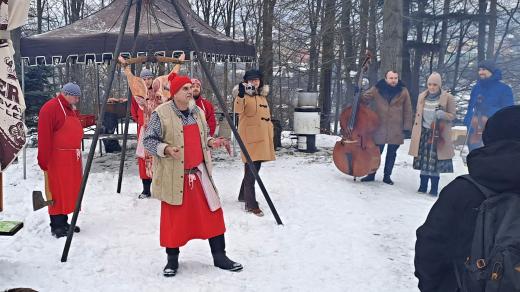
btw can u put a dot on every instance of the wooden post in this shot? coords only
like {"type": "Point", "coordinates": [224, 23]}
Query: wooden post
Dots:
{"type": "Point", "coordinates": [1, 192]}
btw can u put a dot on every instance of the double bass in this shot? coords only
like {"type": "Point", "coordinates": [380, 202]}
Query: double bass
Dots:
{"type": "Point", "coordinates": [356, 154]}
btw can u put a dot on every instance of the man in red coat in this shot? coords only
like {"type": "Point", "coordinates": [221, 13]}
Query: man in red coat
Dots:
{"type": "Point", "coordinates": [205, 105]}
{"type": "Point", "coordinates": [59, 155]}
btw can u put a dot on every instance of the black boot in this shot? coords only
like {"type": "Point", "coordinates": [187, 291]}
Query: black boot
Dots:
{"type": "Point", "coordinates": [387, 180]}
{"type": "Point", "coordinates": [172, 265]}
{"type": "Point", "coordinates": [424, 184]}
{"type": "Point", "coordinates": [146, 189]}
{"type": "Point", "coordinates": [369, 177]}
{"type": "Point", "coordinates": [220, 260]}
{"type": "Point", "coordinates": [434, 190]}
{"type": "Point", "coordinates": [59, 225]}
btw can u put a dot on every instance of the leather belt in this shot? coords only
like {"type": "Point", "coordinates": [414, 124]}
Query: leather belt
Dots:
{"type": "Point", "coordinates": [191, 170]}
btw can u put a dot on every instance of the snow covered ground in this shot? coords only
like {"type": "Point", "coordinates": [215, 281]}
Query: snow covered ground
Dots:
{"type": "Point", "coordinates": [338, 235]}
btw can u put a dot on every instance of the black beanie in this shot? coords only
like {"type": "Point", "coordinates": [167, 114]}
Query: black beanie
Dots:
{"type": "Point", "coordinates": [253, 74]}
{"type": "Point", "coordinates": [503, 125]}
{"type": "Point", "coordinates": [488, 65]}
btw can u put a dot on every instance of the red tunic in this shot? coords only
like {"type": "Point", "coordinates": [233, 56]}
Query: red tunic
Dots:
{"type": "Point", "coordinates": [59, 153]}
{"type": "Point", "coordinates": [138, 117]}
{"type": "Point", "coordinates": [209, 113]}
{"type": "Point", "coordinates": [193, 219]}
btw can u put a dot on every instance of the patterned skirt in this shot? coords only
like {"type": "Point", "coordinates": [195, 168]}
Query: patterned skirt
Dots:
{"type": "Point", "coordinates": [427, 161]}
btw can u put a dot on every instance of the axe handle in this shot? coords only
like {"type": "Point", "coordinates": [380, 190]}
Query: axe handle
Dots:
{"type": "Point", "coordinates": [1, 192]}
{"type": "Point", "coordinates": [48, 193]}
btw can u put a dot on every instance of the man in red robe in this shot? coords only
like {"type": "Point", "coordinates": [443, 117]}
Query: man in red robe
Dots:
{"type": "Point", "coordinates": [205, 105]}
{"type": "Point", "coordinates": [59, 155]}
{"type": "Point", "coordinates": [177, 137]}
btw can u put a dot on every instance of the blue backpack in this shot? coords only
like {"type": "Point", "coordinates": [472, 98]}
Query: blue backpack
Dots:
{"type": "Point", "coordinates": [494, 262]}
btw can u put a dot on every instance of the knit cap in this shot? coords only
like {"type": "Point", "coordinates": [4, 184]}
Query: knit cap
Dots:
{"type": "Point", "coordinates": [71, 89]}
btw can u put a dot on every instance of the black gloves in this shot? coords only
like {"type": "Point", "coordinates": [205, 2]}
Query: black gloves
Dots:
{"type": "Point", "coordinates": [241, 90]}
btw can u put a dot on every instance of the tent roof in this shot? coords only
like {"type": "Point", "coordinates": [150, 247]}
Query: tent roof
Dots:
{"type": "Point", "coordinates": [94, 37]}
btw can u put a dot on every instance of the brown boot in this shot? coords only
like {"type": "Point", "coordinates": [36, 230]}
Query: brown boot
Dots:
{"type": "Point", "coordinates": [257, 211]}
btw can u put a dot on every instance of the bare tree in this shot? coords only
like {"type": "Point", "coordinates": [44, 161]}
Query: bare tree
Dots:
{"type": "Point", "coordinates": [266, 57]}
{"type": "Point", "coordinates": [327, 62]}
{"type": "Point", "coordinates": [444, 36]}
{"type": "Point", "coordinates": [392, 45]}
{"type": "Point", "coordinates": [314, 10]}
{"type": "Point", "coordinates": [482, 7]}
{"type": "Point", "coordinates": [492, 29]}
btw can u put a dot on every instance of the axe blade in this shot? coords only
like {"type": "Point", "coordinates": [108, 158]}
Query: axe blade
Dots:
{"type": "Point", "coordinates": [38, 201]}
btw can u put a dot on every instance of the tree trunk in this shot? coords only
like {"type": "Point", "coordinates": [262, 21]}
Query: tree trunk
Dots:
{"type": "Point", "coordinates": [460, 44]}
{"type": "Point", "coordinates": [76, 6]}
{"type": "Point", "coordinates": [372, 41]}
{"type": "Point", "coordinates": [481, 46]}
{"type": "Point", "coordinates": [40, 5]}
{"type": "Point", "coordinates": [492, 29]}
{"type": "Point", "coordinates": [314, 7]}
{"type": "Point", "coordinates": [339, 92]}
{"type": "Point", "coordinates": [418, 55]}
{"type": "Point", "coordinates": [327, 61]}
{"type": "Point", "coordinates": [363, 31]}
{"type": "Point", "coordinates": [348, 55]}
{"type": "Point", "coordinates": [392, 44]}
{"type": "Point", "coordinates": [406, 72]}
{"type": "Point", "coordinates": [266, 57]}
{"type": "Point", "coordinates": [443, 46]}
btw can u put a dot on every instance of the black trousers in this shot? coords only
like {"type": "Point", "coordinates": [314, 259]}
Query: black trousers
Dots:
{"type": "Point", "coordinates": [247, 189]}
{"type": "Point", "coordinates": [391, 153]}
{"type": "Point", "coordinates": [58, 221]}
{"type": "Point", "coordinates": [110, 125]}
{"type": "Point", "coordinates": [217, 245]}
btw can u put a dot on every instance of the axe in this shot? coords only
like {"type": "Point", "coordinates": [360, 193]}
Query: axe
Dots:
{"type": "Point", "coordinates": [37, 196]}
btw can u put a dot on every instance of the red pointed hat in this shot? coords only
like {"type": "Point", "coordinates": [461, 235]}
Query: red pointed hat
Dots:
{"type": "Point", "coordinates": [177, 81]}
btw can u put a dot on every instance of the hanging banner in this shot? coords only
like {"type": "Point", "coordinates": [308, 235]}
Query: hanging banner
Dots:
{"type": "Point", "coordinates": [13, 14]}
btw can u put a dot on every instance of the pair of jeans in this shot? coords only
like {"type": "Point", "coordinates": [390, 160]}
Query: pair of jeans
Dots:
{"type": "Point", "coordinates": [391, 153]}
{"type": "Point", "coordinates": [247, 189]}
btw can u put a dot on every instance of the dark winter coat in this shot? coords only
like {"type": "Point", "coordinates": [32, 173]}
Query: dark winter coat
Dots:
{"type": "Point", "coordinates": [394, 109]}
{"type": "Point", "coordinates": [496, 95]}
{"type": "Point", "coordinates": [445, 238]}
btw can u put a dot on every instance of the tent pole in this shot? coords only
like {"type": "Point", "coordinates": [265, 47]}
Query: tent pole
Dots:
{"type": "Point", "coordinates": [24, 146]}
{"type": "Point", "coordinates": [226, 113]}
{"type": "Point", "coordinates": [234, 81]}
{"type": "Point", "coordinates": [192, 63]}
{"type": "Point", "coordinates": [129, 97]}
{"type": "Point", "coordinates": [96, 134]}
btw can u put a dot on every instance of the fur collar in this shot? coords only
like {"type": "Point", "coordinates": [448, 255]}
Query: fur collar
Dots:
{"type": "Point", "coordinates": [264, 91]}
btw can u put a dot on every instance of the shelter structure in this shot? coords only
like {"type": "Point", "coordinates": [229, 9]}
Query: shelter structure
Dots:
{"type": "Point", "coordinates": [93, 39]}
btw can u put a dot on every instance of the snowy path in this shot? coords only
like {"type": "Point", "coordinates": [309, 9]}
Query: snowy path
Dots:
{"type": "Point", "coordinates": [339, 235]}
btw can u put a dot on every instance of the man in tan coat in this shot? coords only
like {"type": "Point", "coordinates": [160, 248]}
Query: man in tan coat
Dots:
{"type": "Point", "coordinates": [393, 106]}
{"type": "Point", "coordinates": [256, 130]}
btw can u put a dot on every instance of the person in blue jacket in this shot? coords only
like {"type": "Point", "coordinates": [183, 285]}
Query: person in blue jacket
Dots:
{"type": "Point", "coordinates": [488, 96]}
